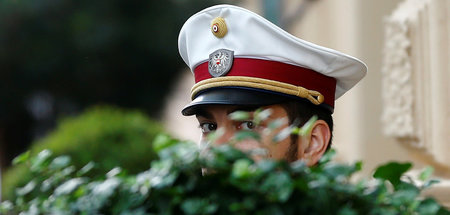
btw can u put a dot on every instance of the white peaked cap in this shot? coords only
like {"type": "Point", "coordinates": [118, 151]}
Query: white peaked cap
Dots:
{"type": "Point", "coordinates": [251, 36]}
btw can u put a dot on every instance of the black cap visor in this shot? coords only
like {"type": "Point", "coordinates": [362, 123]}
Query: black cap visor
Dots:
{"type": "Point", "coordinates": [232, 96]}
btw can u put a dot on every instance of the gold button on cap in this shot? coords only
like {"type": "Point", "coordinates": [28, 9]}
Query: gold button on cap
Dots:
{"type": "Point", "coordinates": [219, 27]}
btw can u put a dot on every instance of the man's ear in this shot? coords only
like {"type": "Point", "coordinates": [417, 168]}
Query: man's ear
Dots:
{"type": "Point", "coordinates": [316, 143]}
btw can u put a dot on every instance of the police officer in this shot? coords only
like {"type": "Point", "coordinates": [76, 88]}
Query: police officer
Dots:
{"type": "Point", "coordinates": [243, 62]}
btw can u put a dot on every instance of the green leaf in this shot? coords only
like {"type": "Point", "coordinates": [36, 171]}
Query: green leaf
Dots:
{"type": "Point", "coordinates": [21, 158]}
{"type": "Point", "coordinates": [429, 183]}
{"type": "Point", "coordinates": [86, 168]}
{"type": "Point", "coordinates": [68, 186]}
{"type": "Point", "coordinates": [48, 184]}
{"type": "Point", "coordinates": [299, 166]}
{"type": "Point", "coordinates": [26, 189]}
{"type": "Point", "coordinates": [443, 211]}
{"type": "Point", "coordinates": [198, 206]}
{"type": "Point", "coordinates": [68, 170]}
{"type": "Point", "coordinates": [261, 115]}
{"type": "Point", "coordinates": [271, 209]}
{"type": "Point", "coordinates": [41, 160]}
{"type": "Point", "coordinates": [385, 211]}
{"type": "Point", "coordinates": [105, 188]}
{"type": "Point", "coordinates": [295, 130]}
{"type": "Point", "coordinates": [161, 142]}
{"type": "Point", "coordinates": [274, 124]}
{"type": "Point", "coordinates": [244, 135]}
{"type": "Point", "coordinates": [213, 136]}
{"type": "Point", "coordinates": [239, 115]}
{"type": "Point", "coordinates": [283, 134]}
{"type": "Point", "coordinates": [262, 152]}
{"type": "Point", "coordinates": [114, 172]}
{"type": "Point", "coordinates": [358, 166]}
{"type": "Point", "coordinates": [328, 156]}
{"type": "Point", "coordinates": [266, 165]}
{"type": "Point", "coordinates": [227, 152]}
{"type": "Point", "coordinates": [248, 203]}
{"type": "Point", "coordinates": [308, 126]}
{"type": "Point", "coordinates": [404, 197]}
{"type": "Point", "coordinates": [335, 170]}
{"type": "Point", "coordinates": [428, 207]}
{"type": "Point", "coordinates": [278, 186]}
{"type": "Point", "coordinates": [392, 172]}
{"type": "Point", "coordinates": [347, 211]}
{"type": "Point", "coordinates": [162, 173]}
{"type": "Point", "coordinates": [6, 206]}
{"type": "Point", "coordinates": [60, 162]}
{"type": "Point", "coordinates": [241, 169]}
{"type": "Point", "coordinates": [426, 173]}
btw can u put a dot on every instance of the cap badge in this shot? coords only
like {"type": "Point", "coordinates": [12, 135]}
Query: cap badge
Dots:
{"type": "Point", "coordinates": [220, 62]}
{"type": "Point", "coordinates": [219, 27]}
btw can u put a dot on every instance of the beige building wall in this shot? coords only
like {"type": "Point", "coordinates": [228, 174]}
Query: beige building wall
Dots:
{"type": "Point", "coordinates": [355, 27]}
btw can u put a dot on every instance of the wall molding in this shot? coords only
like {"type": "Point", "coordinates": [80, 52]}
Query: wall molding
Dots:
{"type": "Point", "coordinates": [415, 77]}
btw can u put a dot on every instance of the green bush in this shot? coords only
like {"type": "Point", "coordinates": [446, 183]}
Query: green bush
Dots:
{"type": "Point", "coordinates": [233, 183]}
{"type": "Point", "coordinates": [107, 135]}
{"type": "Point", "coordinates": [174, 185]}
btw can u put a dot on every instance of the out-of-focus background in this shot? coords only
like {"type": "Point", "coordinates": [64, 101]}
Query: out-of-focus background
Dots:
{"type": "Point", "coordinates": [61, 58]}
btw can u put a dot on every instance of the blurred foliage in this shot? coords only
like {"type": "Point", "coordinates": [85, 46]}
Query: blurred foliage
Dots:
{"type": "Point", "coordinates": [110, 136]}
{"type": "Point", "coordinates": [78, 53]}
{"type": "Point", "coordinates": [174, 185]}
{"type": "Point", "coordinates": [116, 51]}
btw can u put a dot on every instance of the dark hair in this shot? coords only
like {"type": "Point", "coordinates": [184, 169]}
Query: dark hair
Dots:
{"type": "Point", "coordinates": [300, 112]}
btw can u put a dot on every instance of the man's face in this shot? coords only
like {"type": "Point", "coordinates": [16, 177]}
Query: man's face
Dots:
{"type": "Point", "coordinates": [216, 118]}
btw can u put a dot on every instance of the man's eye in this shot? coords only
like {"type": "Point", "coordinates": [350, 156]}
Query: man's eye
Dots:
{"type": "Point", "coordinates": [208, 127]}
{"type": "Point", "coordinates": [247, 125]}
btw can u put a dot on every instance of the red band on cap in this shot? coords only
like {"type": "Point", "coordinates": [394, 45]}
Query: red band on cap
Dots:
{"type": "Point", "coordinates": [277, 71]}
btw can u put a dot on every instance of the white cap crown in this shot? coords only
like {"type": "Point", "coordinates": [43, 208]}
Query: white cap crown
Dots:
{"type": "Point", "coordinates": [249, 35]}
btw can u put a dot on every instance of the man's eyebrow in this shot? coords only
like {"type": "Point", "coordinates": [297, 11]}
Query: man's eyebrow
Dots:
{"type": "Point", "coordinates": [204, 114]}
